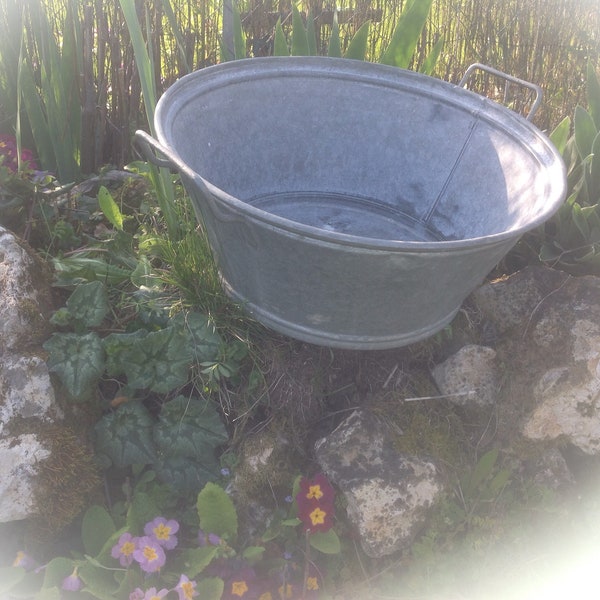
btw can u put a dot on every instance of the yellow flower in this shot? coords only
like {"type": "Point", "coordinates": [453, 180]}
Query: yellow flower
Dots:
{"type": "Point", "coordinates": [317, 516]}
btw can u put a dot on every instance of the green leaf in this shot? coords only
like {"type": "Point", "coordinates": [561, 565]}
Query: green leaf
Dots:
{"type": "Point", "coordinates": [56, 570]}
{"type": "Point", "coordinates": [280, 45]}
{"type": "Point", "coordinates": [159, 361]}
{"type": "Point", "coordinates": [97, 527]}
{"type": "Point", "coordinates": [594, 173]}
{"type": "Point", "coordinates": [79, 269]}
{"type": "Point", "coordinates": [216, 512]}
{"type": "Point", "coordinates": [110, 209]}
{"type": "Point", "coordinates": [185, 474]}
{"type": "Point", "coordinates": [431, 60]}
{"type": "Point", "coordinates": [585, 132]}
{"type": "Point", "coordinates": [311, 34]}
{"type": "Point", "coordinates": [253, 554]}
{"type": "Point", "coordinates": [125, 435]}
{"type": "Point", "coordinates": [9, 578]}
{"type": "Point", "coordinates": [560, 134]}
{"type": "Point", "coordinates": [335, 47]}
{"type": "Point", "coordinates": [210, 588]}
{"type": "Point", "coordinates": [327, 542]}
{"type": "Point", "coordinates": [98, 582]}
{"type": "Point", "coordinates": [189, 427]}
{"type": "Point", "coordinates": [116, 345]}
{"type": "Point", "coordinates": [483, 469]}
{"type": "Point", "coordinates": [299, 37]}
{"type": "Point", "coordinates": [194, 560]}
{"type": "Point", "coordinates": [404, 40]}
{"type": "Point", "coordinates": [239, 39]}
{"type": "Point", "coordinates": [593, 94]}
{"type": "Point", "coordinates": [357, 49]}
{"type": "Point", "coordinates": [203, 339]}
{"type": "Point", "coordinates": [78, 360]}
{"type": "Point", "coordinates": [89, 303]}
{"type": "Point", "coordinates": [143, 508]}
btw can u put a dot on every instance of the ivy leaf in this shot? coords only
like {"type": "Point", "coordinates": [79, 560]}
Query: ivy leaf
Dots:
{"type": "Point", "coordinates": [116, 345]}
{"type": "Point", "coordinates": [78, 360]}
{"type": "Point", "coordinates": [189, 427]}
{"type": "Point", "coordinates": [201, 334]}
{"type": "Point", "coordinates": [187, 474]}
{"type": "Point", "coordinates": [160, 362]}
{"type": "Point", "coordinates": [125, 435]}
{"type": "Point", "coordinates": [89, 303]}
{"type": "Point", "coordinates": [216, 511]}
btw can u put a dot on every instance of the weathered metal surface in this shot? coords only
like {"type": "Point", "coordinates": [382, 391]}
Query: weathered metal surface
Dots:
{"type": "Point", "coordinates": [352, 204]}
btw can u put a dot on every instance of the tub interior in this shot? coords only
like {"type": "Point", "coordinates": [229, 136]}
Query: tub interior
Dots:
{"type": "Point", "coordinates": [402, 159]}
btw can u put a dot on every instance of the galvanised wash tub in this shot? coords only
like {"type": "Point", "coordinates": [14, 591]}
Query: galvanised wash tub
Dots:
{"type": "Point", "coordinates": [352, 204]}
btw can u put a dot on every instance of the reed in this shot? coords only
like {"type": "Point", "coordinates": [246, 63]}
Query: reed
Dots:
{"type": "Point", "coordinates": [81, 91]}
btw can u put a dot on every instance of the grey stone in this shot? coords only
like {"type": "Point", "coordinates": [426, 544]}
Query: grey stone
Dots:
{"type": "Point", "coordinates": [387, 494]}
{"type": "Point", "coordinates": [20, 457]}
{"type": "Point", "coordinates": [27, 398]}
{"type": "Point", "coordinates": [469, 376]}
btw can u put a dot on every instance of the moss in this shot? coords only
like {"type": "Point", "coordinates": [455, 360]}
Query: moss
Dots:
{"type": "Point", "coordinates": [64, 484]}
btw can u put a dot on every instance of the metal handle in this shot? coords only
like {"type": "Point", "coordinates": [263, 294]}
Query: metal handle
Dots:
{"type": "Point", "coordinates": [532, 86]}
{"type": "Point", "coordinates": [149, 147]}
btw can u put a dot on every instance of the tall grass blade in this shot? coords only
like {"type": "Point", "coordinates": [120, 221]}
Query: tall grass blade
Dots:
{"type": "Point", "coordinates": [280, 45]}
{"type": "Point", "coordinates": [161, 177]}
{"type": "Point", "coordinates": [404, 40]}
{"type": "Point", "coordinates": [299, 37]}
{"type": "Point", "coordinates": [311, 34]}
{"type": "Point", "coordinates": [239, 39]}
{"type": "Point", "coordinates": [174, 25]}
{"type": "Point", "coordinates": [335, 45]}
{"type": "Point", "coordinates": [357, 49]}
{"type": "Point", "coordinates": [593, 94]}
{"type": "Point", "coordinates": [431, 60]}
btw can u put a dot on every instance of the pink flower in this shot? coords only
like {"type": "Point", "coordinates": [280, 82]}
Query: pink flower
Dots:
{"type": "Point", "coordinates": [186, 589]}
{"type": "Point", "coordinates": [163, 532]}
{"type": "Point", "coordinates": [72, 583]}
{"type": "Point", "coordinates": [149, 554]}
{"type": "Point", "coordinates": [123, 549]}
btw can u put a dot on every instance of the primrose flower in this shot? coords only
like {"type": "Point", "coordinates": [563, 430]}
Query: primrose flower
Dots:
{"type": "Point", "coordinates": [24, 560]}
{"type": "Point", "coordinates": [315, 503]}
{"type": "Point", "coordinates": [123, 549]}
{"type": "Point", "coordinates": [239, 585]}
{"type": "Point", "coordinates": [186, 589]}
{"type": "Point", "coordinates": [8, 150]}
{"type": "Point", "coordinates": [150, 594]}
{"type": "Point", "coordinates": [163, 532]}
{"type": "Point", "coordinates": [72, 583]}
{"type": "Point", "coordinates": [149, 554]}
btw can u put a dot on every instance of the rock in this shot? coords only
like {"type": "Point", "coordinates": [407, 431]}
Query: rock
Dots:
{"type": "Point", "coordinates": [20, 457]}
{"type": "Point", "coordinates": [387, 494]}
{"type": "Point", "coordinates": [551, 348]}
{"type": "Point", "coordinates": [25, 296]}
{"type": "Point", "coordinates": [469, 376]}
{"type": "Point", "coordinates": [28, 404]}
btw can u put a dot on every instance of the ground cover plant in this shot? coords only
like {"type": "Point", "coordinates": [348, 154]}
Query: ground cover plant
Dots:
{"type": "Point", "coordinates": [173, 375]}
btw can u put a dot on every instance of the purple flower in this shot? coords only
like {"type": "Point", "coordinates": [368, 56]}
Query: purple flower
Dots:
{"type": "Point", "coordinates": [150, 594]}
{"type": "Point", "coordinates": [212, 538]}
{"type": "Point", "coordinates": [24, 560]}
{"type": "Point", "coordinates": [72, 583]}
{"type": "Point", "coordinates": [186, 589]}
{"type": "Point", "coordinates": [149, 554]}
{"type": "Point", "coordinates": [163, 532]}
{"type": "Point", "coordinates": [123, 549]}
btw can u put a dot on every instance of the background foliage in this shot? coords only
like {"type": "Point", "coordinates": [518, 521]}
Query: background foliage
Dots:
{"type": "Point", "coordinates": [44, 43]}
